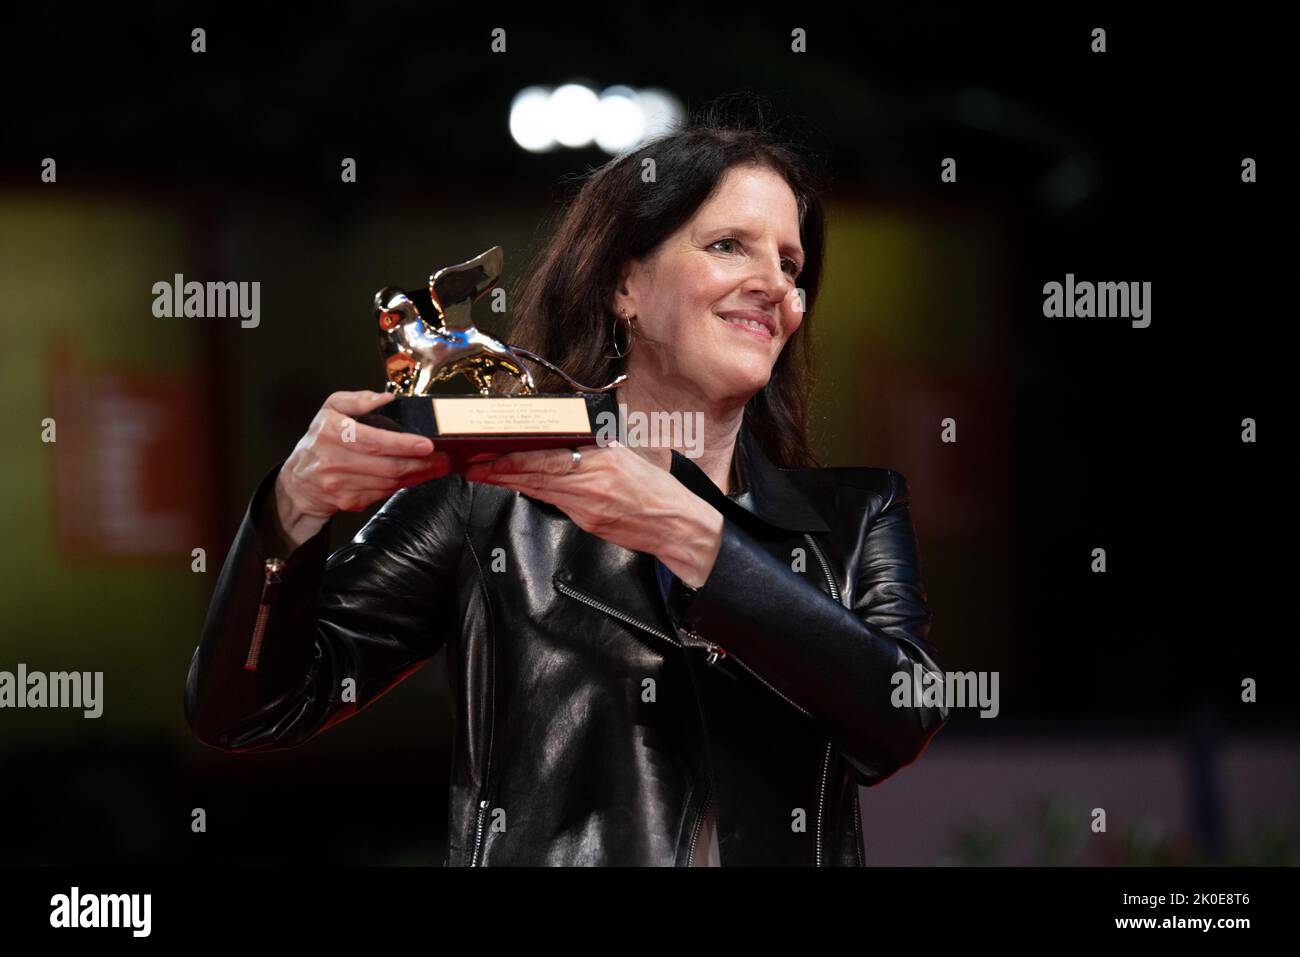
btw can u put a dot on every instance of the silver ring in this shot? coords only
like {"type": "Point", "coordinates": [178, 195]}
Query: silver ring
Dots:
{"type": "Point", "coordinates": [577, 460]}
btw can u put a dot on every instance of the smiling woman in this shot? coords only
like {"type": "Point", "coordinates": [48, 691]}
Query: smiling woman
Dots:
{"type": "Point", "coordinates": [655, 659]}
{"type": "Point", "coordinates": [718, 222]}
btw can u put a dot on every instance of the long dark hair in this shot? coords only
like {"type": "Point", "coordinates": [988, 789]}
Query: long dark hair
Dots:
{"type": "Point", "coordinates": [562, 303]}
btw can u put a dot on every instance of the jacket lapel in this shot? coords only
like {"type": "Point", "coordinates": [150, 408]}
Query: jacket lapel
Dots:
{"type": "Point", "coordinates": [602, 570]}
{"type": "Point", "coordinates": [769, 494]}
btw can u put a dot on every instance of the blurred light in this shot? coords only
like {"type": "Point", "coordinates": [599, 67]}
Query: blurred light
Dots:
{"type": "Point", "coordinates": [573, 110]}
{"type": "Point", "coordinates": [618, 120]}
{"type": "Point", "coordinates": [661, 109]}
{"type": "Point", "coordinates": [530, 119]}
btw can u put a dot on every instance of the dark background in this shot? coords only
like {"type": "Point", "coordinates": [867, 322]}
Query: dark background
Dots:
{"type": "Point", "coordinates": [1073, 434]}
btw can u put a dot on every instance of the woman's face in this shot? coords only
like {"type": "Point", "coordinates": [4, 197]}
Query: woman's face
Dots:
{"type": "Point", "coordinates": [737, 259]}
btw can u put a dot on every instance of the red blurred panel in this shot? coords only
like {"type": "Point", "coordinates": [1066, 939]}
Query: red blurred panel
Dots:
{"type": "Point", "coordinates": [129, 479]}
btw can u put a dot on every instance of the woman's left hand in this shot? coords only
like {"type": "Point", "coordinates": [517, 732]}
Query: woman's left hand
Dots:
{"type": "Point", "coordinates": [620, 496]}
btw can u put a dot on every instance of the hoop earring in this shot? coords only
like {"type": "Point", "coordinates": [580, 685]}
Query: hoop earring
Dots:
{"type": "Point", "coordinates": [614, 336]}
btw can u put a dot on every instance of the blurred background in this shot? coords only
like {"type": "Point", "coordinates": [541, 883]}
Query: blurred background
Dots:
{"type": "Point", "coordinates": [1120, 691]}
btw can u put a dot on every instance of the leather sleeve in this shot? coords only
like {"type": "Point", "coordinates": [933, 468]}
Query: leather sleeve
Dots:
{"type": "Point", "coordinates": [834, 661]}
{"type": "Point", "coordinates": [374, 611]}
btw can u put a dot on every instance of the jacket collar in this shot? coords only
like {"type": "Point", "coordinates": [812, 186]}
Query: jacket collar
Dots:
{"type": "Point", "coordinates": [600, 569]}
{"type": "Point", "coordinates": [768, 494]}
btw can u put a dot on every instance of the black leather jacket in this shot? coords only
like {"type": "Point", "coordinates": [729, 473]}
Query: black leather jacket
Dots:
{"type": "Point", "coordinates": [595, 721]}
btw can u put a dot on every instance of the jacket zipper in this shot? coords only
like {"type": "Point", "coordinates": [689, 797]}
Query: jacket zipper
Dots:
{"type": "Point", "coordinates": [826, 760]}
{"type": "Point", "coordinates": [826, 570]}
{"type": "Point", "coordinates": [713, 650]}
{"type": "Point", "coordinates": [272, 568]}
{"type": "Point", "coordinates": [478, 832]}
{"type": "Point", "coordinates": [609, 610]}
{"type": "Point", "coordinates": [821, 800]}
{"type": "Point", "coordinates": [857, 821]}
{"type": "Point", "coordinates": [717, 651]}
{"type": "Point", "coordinates": [699, 826]}
{"type": "Point", "coordinates": [484, 804]}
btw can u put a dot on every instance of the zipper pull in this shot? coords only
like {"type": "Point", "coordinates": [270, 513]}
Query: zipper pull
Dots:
{"type": "Point", "coordinates": [713, 650]}
{"type": "Point", "coordinates": [714, 653]}
{"type": "Point", "coordinates": [273, 567]}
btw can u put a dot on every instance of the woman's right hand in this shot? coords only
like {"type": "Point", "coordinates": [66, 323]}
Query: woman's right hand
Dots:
{"type": "Point", "coordinates": [345, 465]}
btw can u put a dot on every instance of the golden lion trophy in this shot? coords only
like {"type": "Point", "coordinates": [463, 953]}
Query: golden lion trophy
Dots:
{"type": "Point", "coordinates": [418, 353]}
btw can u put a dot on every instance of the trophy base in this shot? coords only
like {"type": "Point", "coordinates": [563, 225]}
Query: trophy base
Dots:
{"type": "Point", "coordinates": [470, 428]}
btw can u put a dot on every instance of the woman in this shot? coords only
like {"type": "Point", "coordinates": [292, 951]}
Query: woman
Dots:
{"type": "Point", "coordinates": [655, 658]}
